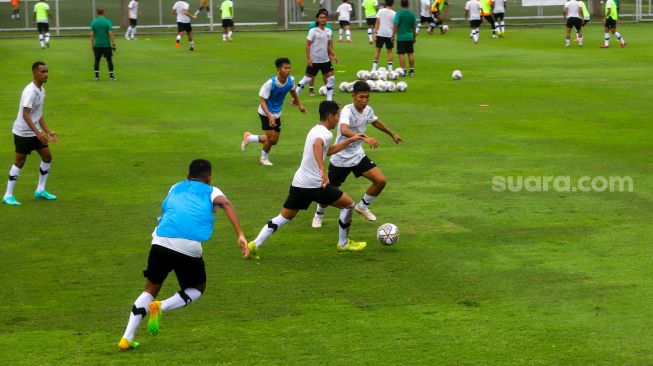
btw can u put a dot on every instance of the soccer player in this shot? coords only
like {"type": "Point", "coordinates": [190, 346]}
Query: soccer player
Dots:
{"type": "Point", "coordinates": [425, 16]}
{"type": "Point", "coordinates": [311, 183]}
{"type": "Point", "coordinates": [370, 7]}
{"type": "Point", "coordinates": [133, 19]}
{"type": "Point", "coordinates": [186, 221]}
{"type": "Point", "coordinates": [102, 42]}
{"type": "Point", "coordinates": [32, 133]}
{"type": "Point", "coordinates": [499, 13]}
{"type": "Point", "coordinates": [300, 5]}
{"type": "Point", "coordinates": [272, 93]}
{"type": "Point", "coordinates": [585, 13]}
{"type": "Point", "coordinates": [319, 54]}
{"type": "Point", "coordinates": [311, 84]}
{"type": "Point", "coordinates": [404, 27]}
{"type": "Point", "coordinates": [436, 10]}
{"type": "Point", "coordinates": [486, 12]}
{"type": "Point", "coordinates": [384, 28]}
{"type": "Point", "coordinates": [572, 14]}
{"type": "Point", "coordinates": [15, 9]}
{"type": "Point", "coordinates": [344, 16]}
{"type": "Point", "coordinates": [227, 9]}
{"type": "Point", "coordinates": [41, 19]}
{"type": "Point", "coordinates": [473, 14]}
{"type": "Point", "coordinates": [204, 5]}
{"type": "Point", "coordinates": [180, 9]}
{"type": "Point", "coordinates": [354, 119]}
{"type": "Point", "coordinates": [610, 19]}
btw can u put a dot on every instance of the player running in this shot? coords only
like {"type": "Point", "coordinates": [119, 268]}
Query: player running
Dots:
{"type": "Point", "coordinates": [354, 119]}
{"type": "Point", "coordinates": [473, 14]}
{"type": "Point", "coordinates": [180, 9]}
{"type": "Point", "coordinates": [273, 93]}
{"type": "Point", "coordinates": [41, 19]}
{"type": "Point", "coordinates": [499, 13]}
{"type": "Point", "coordinates": [425, 16]}
{"type": "Point", "coordinates": [370, 8]}
{"type": "Point", "coordinates": [610, 18]}
{"type": "Point", "coordinates": [436, 10]}
{"type": "Point", "coordinates": [311, 183]}
{"type": "Point", "coordinates": [344, 16]}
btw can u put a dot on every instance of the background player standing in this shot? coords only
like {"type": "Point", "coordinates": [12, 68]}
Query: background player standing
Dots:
{"type": "Point", "coordinates": [344, 11]}
{"type": "Point", "coordinates": [133, 19]}
{"type": "Point", "coordinates": [103, 43]}
{"type": "Point", "coordinates": [41, 19]}
{"type": "Point", "coordinates": [384, 28]}
{"type": "Point", "coordinates": [227, 9]}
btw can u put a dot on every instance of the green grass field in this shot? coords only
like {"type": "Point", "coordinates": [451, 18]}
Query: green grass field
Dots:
{"type": "Point", "coordinates": [478, 277]}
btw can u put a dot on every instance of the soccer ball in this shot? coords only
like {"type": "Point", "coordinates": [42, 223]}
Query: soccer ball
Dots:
{"type": "Point", "coordinates": [350, 87]}
{"type": "Point", "coordinates": [322, 90]}
{"type": "Point", "coordinates": [361, 74]}
{"type": "Point", "coordinates": [372, 84]}
{"type": "Point", "coordinates": [390, 86]}
{"type": "Point", "coordinates": [388, 234]}
{"type": "Point", "coordinates": [456, 75]}
{"type": "Point", "coordinates": [402, 86]}
{"type": "Point", "coordinates": [399, 71]}
{"type": "Point", "coordinates": [393, 75]}
{"type": "Point", "coordinates": [380, 86]}
{"type": "Point", "coordinates": [383, 76]}
{"type": "Point", "coordinates": [445, 29]}
{"type": "Point", "coordinates": [374, 75]}
{"type": "Point", "coordinates": [343, 86]}
{"type": "Point", "coordinates": [382, 69]}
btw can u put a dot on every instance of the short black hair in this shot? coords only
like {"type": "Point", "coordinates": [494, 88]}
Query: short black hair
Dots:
{"type": "Point", "coordinates": [199, 168]}
{"type": "Point", "coordinates": [389, 2]}
{"type": "Point", "coordinates": [327, 108]}
{"type": "Point", "coordinates": [361, 87]}
{"type": "Point", "coordinates": [37, 64]}
{"type": "Point", "coordinates": [281, 61]}
{"type": "Point", "coordinates": [404, 3]}
{"type": "Point", "coordinates": [322, 11]}
{"type": "Point", "coordinates": [100, 11]}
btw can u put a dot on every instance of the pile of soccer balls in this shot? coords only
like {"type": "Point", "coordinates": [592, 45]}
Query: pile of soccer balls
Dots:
{"type": "Point", "coordinates": [380, 80]}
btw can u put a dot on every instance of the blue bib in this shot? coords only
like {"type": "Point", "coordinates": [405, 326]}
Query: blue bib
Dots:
{"type": "Point", "coordinates": [187, 212]}
{"type": "Point", "coordinates": [277, 94]}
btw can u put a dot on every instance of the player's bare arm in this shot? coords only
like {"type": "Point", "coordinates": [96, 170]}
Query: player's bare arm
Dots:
{"type": "Point", "coordinates": [341, 145]}
{"type": "Point", "coordinates": [229, 210]}
{"type": "Point", "coordinates": [42, 136]}
{"type": "Point", "coordinates": [271, 119]}
{"type": "Point", "coordinates": [382, 127]}
{"type": "Point", "coordinates": [318, 144]}
{"type": "Point", "coordinates": [347, 132]}
{"type": "Point", "coordinates": [332, 55]}
{"type": "Point", "coordinates": [308, 53]}
{"type": "Point", "coordinates": [52, 136]}
{"type": "Point", "coordinates": [296, 102]}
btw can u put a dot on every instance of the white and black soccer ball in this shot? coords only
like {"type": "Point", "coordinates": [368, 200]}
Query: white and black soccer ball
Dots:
{"type": "Point", "coordinates": [393, 75]}
{"type": "Point", "coordinates": [380, 86]}
{"type": "Point", "coordinates": [361, 74]}
{"type": "Point", "coordinates": [372, 84]}
{"type": "Point", "coordinates": [350, 87]}
{"type": "Point", "coordinates": [402, 86]}
{"type": "Point", "coordinates": [383, 76]}
{"type": "Point", "coordinates": [390, 86]}
{"type": "Point", "coordinates": [400, 72]}
{"type": "Point", "coordinates": [456, 75]}
{"type": "Point", "coordinates": [343, 86]}
{"type": "Point", "coordinates": [444, 29]}
{"type": "Point", "coordinates": [322, 90]}
{"type": "Point", "coordinates": [374, 75]}
{"type": "Point", "coordinates": [382, 69]}
{"type": "Point", "coordinates": [388, 234]}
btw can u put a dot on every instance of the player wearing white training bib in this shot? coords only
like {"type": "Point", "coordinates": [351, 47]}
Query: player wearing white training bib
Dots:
{"type": "Point", "coordinates": [354, 119]}
{"type": "Point", "coordinates": [319, 54]}
{"type": "Point", "coordinates": [180, 9]}
{"type": "Point", "coordinates": [344, 16]}
{"type": "Point", "coordinates": [499, 12]}
{"type": "Point", "coordinates": [311, 183]}
{"type": "Point", "coordinates": [133, 19]}
{"type": "Point", "coordinates": [572, 14]}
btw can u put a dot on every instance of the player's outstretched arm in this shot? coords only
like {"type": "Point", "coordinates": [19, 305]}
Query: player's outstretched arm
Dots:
{"type": "Point", "coordinates": [229, 210]}
{"type": "Point", "coordinates": [347, 132]}
{"type": "Point", "coordinates": [382, 127]}
{"type": "Point", "coordinates": [341, 145]}
{"type": "Point", "coordinates": [296, 102]}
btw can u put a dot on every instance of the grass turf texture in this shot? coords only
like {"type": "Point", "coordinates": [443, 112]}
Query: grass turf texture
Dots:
{"type": "Point", "coordinates": [478, 277]}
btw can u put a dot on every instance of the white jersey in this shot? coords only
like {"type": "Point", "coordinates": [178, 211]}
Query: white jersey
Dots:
{"type": "Point", "coordinates": [499, 6]}
{"type": "Point", "coordinates": [386, 19]}
{"type": "Point", "coordinates": [425, 8]}
{"type": "Point", "coordinates": [266, 88]}
{"type": "Point", "coordinates": [344, 11]}
{"type": "Point", "coordinates": [320, 39]}
{"type": "Point", "coordinates": [133, 9]}
{"type": "Point", "coordinates": [308, 175]}
{"type": "Point", "coordinates": [179, 7]}
{"type": "Point", "coordinates": [572, 7]}
{"type": "Point", "coordinates": [191, 248]}
{"type": "Point", "coordinates": [474, 9]}
{"type": "Point", "coordinates": [357, 122]}
{"type": "Point", "coordinates": [32, 98]}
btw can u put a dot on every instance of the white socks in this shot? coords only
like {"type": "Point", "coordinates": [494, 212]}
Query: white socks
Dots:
{"type": "Point", "coordinates": [340, 31]}
{"type": "Point", "coordinates": [305, 80]}
{"type": "Point", "coordinates": [181, 298]}
{"type": "Point", "coordinates": [344, 223]}
{"type": "Point", "coordinates": [370, 34]}
{"type": "Point", "coordinates": [44, 169]}
{"type": "Point", "coordinates": [14, 172]}
{"type": "Point", "coordinates": [607, 39]}
{"type": "Point", "coordinates": [179, 37]}
{"type": "Point", "coordinates": [139, 310]}
{"type": "Point", "coordinates": [366, 201]}
{"type": "Point", "coordinates": [269, 229]}
{"type": "Point", "coordinates": [41, 41]}
{"type": "Point", "coordinates": [348, 34]}
{"type": "Point", "coordinates": [319, 210]}
{"type": "Point", "coordinates": [252, 138]}
{"type": "Point", "coordinates": [375, 63]}
{"type": "Point", "coordinates": [47, 38]}
{"type": "Point", "coordinates": [475, 34]}
{"type": "Point", "coordinates": [264, 154]}
{"type": "Point", "coordinates": [331, 80]}
{"type": "Point", "coordinates": [618, 35]}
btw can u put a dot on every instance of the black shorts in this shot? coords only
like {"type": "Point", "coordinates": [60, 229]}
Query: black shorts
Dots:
{"type": "Point", "coordinates": [610, 23]}
{"type": "Point", "coordinates": [423, 19]}
{"type": "Point", "coordinates": [490, 19]}
{"type": "Point", "coordinates": [575, 23]}
{"type": "Point", "coordinates": [43, 27]}
{"type": "Point", "coordinates": [499, 16]}
{"type": "Point", "coordinates": [384, 41]}
{"type": "Point", "coordinates": [404, 47]}
{"type": "Point", "coordinates": [301, 198]}
{"type": "Point", "coordinates": [337, 175]}
{"type": "Point", "coordinates": [585, 21]}
{"type": "Point", "coordinates": [133, 22]}
{"type": "Point", "coordinates": [227, 23]}
{"type": "Point", "coordinates": [343, 23]}
{"type": "Point", "coordinates": [184, 27]}
{"type": "Point", "coordinates": [25, 145]}
{"type": "Point", "coordinates": [370, 21]}
{"type": "Point", "coordinates": [190, 271]}
{"type": "Point", "coordinates": [475, 23]}
{"type": "Point", "coordinates": [436, 14]}
{"type": "Point", "coordinates": [265, 123]}
{"type": "Point", "coordinates": [102, 51]}
{"type": "Point", "coordinates": [324, 68]}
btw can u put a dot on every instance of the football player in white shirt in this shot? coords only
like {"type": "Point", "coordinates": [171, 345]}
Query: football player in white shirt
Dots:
{"type": "Point", "coordinates": [354, 119]}
{"type": "Point", "coordinates": [344, 16]}
{"type": "Point", "coordinates": [31, 133]}
{"type": "Point", "coordinates": [311, 183]}
{"type": "Point", "coordinates": [473, 14]}
{"type": "Point", "coordinates": [319, 54]}
{"type": "Point", "coordinates": [572, 15]}
{"type": "Point", "coordinates": [180, 9]}
{"type": "Point", "coordinates": [133, 19]}
{"type": "Point", "coordinates": [385, 36]}
{"type": "Point", "coordinates": [499, 12]}
{"type": "Point", "coordinates": [425, 16]}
